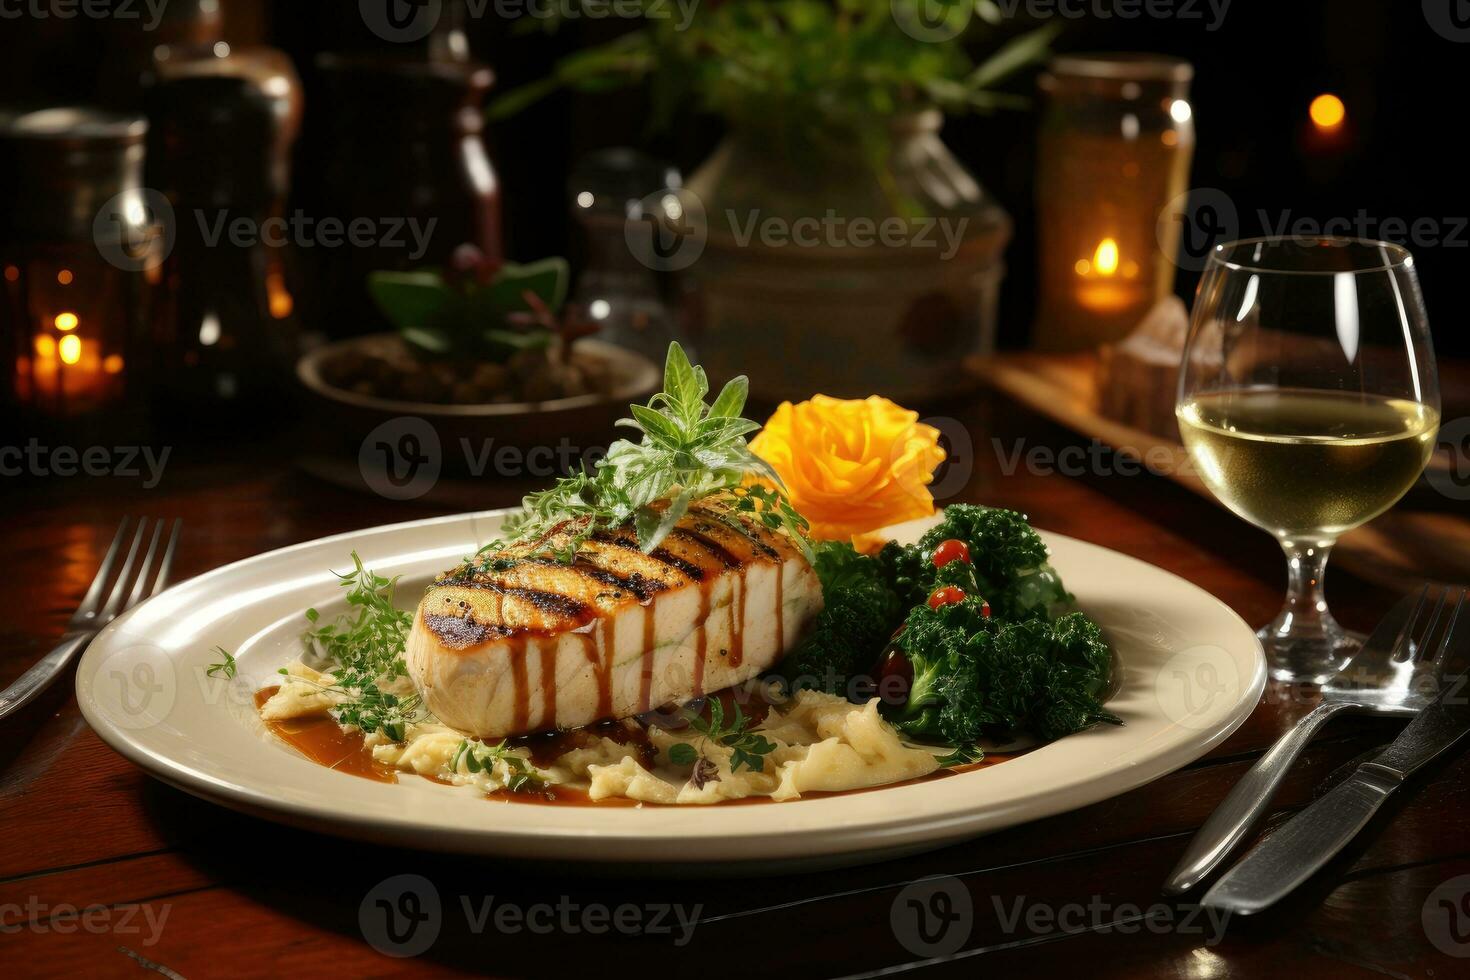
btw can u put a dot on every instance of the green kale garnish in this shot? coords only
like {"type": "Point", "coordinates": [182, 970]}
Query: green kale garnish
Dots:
{"type": "Point", "coordinates": [975, 675]}
{"type": "Point", "coordinates": [861, 611]}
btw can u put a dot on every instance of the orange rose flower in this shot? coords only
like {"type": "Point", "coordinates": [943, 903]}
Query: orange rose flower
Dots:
{"type": "Point", "coordinates": [851, 467]}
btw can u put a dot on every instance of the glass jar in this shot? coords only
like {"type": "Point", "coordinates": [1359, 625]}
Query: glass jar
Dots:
{"type": "Point", "coordinates": [77, 241]}
{"type": "Point", "coordinates": [1117, 138]}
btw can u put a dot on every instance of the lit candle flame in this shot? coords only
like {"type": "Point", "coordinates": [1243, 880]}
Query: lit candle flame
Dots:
{"type": "Point", "coordinates": [1327, 112]}
{"type": "Point", "coordinates": [70, 349]}
{"type": "Point", "coordinates": [1105, 259]}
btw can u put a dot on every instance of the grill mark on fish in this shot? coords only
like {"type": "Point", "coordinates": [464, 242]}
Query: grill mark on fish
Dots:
{"type": "Point", "coordinates": [720, 552]}
{"type": "Point", "coordinates": [640, 585]}
{"type": "Point", "coordinates": [661, 555]}
{"type": "Point", "coordinates": [462, 632]}
{"type": "Point", "coordinates": [548, 602]}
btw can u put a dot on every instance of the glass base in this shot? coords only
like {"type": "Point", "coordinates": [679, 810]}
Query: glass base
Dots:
{"type": "Point", "coordinates": [1307, 659]}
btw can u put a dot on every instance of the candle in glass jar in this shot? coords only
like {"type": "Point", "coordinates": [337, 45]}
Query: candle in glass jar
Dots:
{"type": "Point", "coordinates": [1107, 281]}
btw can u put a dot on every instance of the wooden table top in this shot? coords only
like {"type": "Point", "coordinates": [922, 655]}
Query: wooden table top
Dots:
{"type": "Point", "coordinates": [106, 872]}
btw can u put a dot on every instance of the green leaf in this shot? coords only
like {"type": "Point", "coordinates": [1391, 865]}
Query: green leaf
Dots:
{"type": "Point", "coordinates": [1016, 54]}
{"type": "Point", "coordinates": [427, 339]}
{"type": "Point", "coordinates": [409, 299]}
{"type": "Point", "coordinates": [682, 754]}
{"type": "Point", "coordinates": [547, 279]}
{"type": "Point", "coordinates": [731, 401]}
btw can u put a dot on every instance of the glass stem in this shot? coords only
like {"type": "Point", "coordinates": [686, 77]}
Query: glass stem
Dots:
{"type": "Point", "coordinates": [1305, 615]}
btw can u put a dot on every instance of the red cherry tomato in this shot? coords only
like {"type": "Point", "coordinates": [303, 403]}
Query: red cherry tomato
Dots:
{"type": "Point", "coordinates": [895, 664]}
{"type": "Point", "coordinates": [946, 596]}
{"type": "Point", "coordinates": [952, 550]}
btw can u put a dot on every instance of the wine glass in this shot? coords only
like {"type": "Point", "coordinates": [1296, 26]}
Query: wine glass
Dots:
{"type": "Point", "coordinates": [1309, 402]}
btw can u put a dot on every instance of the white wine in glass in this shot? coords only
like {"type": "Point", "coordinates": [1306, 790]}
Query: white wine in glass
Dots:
{"type": "Point", "coordinates": [1309, 403]}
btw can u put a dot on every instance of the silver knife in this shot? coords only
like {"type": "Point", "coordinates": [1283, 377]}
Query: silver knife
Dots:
{"type": "Point", "coordinates": [1313, 837]}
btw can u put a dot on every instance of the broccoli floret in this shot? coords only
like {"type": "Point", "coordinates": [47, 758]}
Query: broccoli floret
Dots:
{"type": "Point", "coordinates": [860, 614]}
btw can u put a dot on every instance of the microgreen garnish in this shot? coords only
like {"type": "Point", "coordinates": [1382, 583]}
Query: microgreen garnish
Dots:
{"type": "Point", "coordinates": [479, 757]}
{"type": "Point", "coordinates": [748, 748]}
{"type": "Point", "coordinates": [366, 652]}
{"type": "Point", "coordinates": [226, 665]}
{"type": "Point", "coordinates": [688, 450]}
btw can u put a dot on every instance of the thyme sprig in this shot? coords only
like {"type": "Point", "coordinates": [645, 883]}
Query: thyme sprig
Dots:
{"type": "Point", "coordinates": [747, 748]}
{"type": "Point", "coordinates": [480, 757]}
{"type": "Point", "coordinates": [366, 654]}
{"type": "Point", "coordinates": [688, 450]}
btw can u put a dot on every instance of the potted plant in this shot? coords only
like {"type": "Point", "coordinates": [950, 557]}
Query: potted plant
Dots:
{"type": "Point", "coordinates": [487, 354]}
{"type": "Point", "coordinates": [839, 243]}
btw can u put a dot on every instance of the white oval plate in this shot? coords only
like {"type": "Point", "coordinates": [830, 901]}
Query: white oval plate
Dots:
{"type": "Point", "coordinates": [1192, 672]}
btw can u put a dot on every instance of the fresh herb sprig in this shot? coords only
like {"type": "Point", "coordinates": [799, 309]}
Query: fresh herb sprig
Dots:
{"type": "Point", "coordinates": [366, 652]}
{"type": "Point", "coordinates": [480, 757]}
{"type": "Point", "coordinates": [748, 748]}
{"type": "Point", "coordinates": [226, 666]}
{"type": "Point", "coordinates": [688, 450]}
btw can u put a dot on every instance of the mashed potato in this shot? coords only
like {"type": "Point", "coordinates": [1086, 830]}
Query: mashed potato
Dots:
{"type": "Point", "coordinates": [822, 743]}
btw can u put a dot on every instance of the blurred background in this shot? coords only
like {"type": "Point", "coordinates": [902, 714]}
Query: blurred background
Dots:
{"type": "Point", "coordinates": [511, 255]}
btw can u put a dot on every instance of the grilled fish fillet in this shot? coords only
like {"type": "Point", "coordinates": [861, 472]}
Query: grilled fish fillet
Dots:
{"type": "Point", "coordinates": [523, 642]}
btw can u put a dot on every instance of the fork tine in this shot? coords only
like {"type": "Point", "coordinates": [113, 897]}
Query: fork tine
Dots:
{"type": "Point", "coordinates": [140, 584]}
{"type": "Point", "coordinates": [1403, 645]}
{"type": "Point", "coordinates": [166, 566]}
{"type": "Point", "coordinates": [1449, 630]}
{"type": "Point", "coordinates": [119, 589]}
{"type": "Point", "coordinates": [94, 591]}
{"type": "Point", "coordinates": [1424, 641]}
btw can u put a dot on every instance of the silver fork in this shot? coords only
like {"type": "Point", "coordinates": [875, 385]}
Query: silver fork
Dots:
{"type": "Point", "coordinates": [1390, 675]}
{"type": "Point", "coordinates": [93, 614]}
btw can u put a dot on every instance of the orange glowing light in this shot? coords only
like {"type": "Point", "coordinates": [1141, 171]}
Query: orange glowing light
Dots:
{"type": "Point", "coordinates": [70, 349]}
{"type": "Point", "coordinates": [12, 273]}
{"type": "Point", "coordinates": [112, 364]}
{"type": "Point", "coordinates": [66, 321]}
{"type": "Point", "coordinates": [1105, 259]}
{"type": "Point", "coordinates": [1327, 111]}
{"type": "Point", "coordinates": [45, 347]}
{"type": "Point", "coordinates": [65, 277]}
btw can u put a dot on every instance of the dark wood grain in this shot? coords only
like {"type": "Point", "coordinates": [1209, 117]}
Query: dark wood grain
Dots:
{"type": "Point", "coordinates": [243, 897]}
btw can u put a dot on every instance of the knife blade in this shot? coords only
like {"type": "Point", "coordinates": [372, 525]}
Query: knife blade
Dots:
{"type": "Point", "coordinates": [1313, 837]}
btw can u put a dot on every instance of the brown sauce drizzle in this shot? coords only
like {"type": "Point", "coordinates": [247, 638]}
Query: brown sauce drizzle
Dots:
{"type": "Point", "coordinates": [322, 740]}
{"type": "Point", "coordinates": [737, 619]}
{"type": "Point", "coordinates": [548, 682]}
{"type": "Point", "coordinates": [645, 680]}
{"type": "Point", "coordinates": [521, 708]}
{"type": "Point", "coordinates": [701, 639]}
{"type": "Point", "coordinates": [605, 666]}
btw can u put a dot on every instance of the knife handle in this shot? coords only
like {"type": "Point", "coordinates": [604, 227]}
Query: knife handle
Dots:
{"type": "Point", "coordinates": [1248, 802]}
{"type": "Point", "coordinates": [1303, 845]}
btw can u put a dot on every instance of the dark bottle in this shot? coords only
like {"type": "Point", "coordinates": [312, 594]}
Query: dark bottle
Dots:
{"type": "Point", "coordinates": [225, 334]}
{"type": "Point", "coordinates": [402, 150]}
